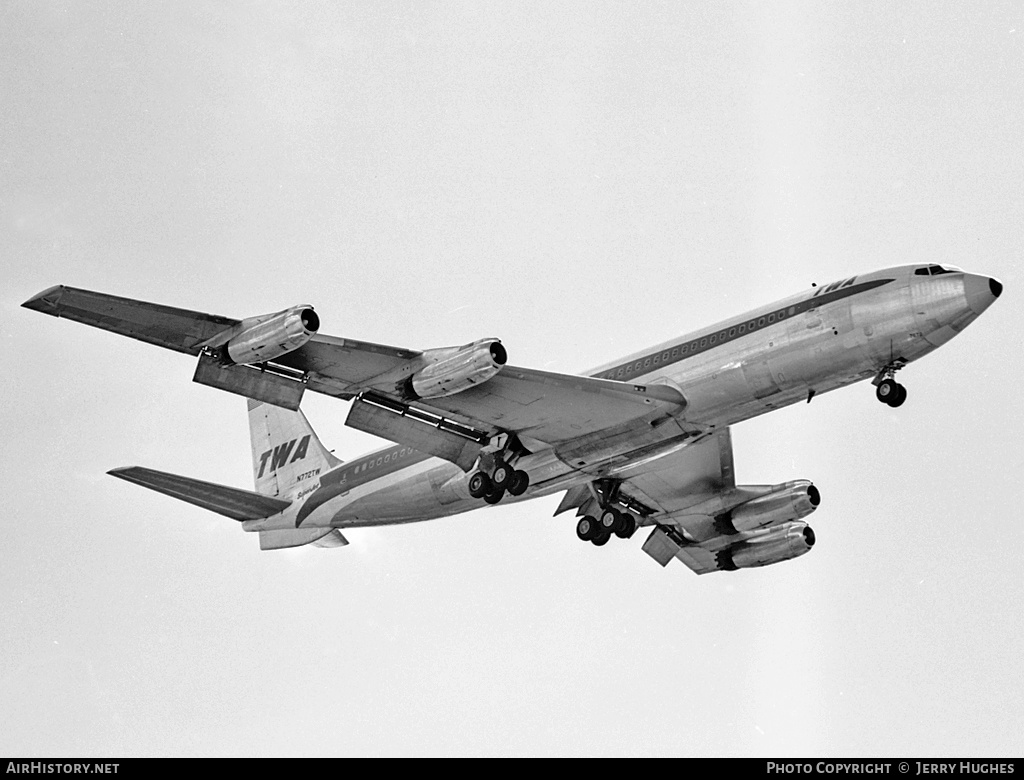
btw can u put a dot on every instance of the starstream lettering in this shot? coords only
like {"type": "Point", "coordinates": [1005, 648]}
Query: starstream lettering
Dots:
{"type": "Point", "coordinates": [904, 767]}
{"type": "Point", "coordinates": [39, 768]}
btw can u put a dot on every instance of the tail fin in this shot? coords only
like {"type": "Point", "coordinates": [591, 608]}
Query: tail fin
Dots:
{"type": "Point", "coordinates": [284, 447]}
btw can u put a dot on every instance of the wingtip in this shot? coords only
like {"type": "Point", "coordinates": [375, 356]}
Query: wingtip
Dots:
{"type": "Point", "coordinates": [47, 301]}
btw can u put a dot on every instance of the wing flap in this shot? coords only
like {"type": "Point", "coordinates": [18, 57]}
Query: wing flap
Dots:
{"type": "Point", "coordinates": [554, 408]}
{"type": "Point", "coordinates": [663, 548]}
{"type": "Point", "coordinates": [686, 477]}
{"type": "Point", "coordinates": [228, 501]}
{"type": "Point", "coordinates": [344, 367]}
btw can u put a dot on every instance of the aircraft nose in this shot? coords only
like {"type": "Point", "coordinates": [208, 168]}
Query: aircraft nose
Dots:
{"type": "Point", "coordinates": [981, 291]}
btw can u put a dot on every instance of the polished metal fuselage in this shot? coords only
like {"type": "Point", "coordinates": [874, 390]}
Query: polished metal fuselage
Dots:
{"type": "Point", "coordinates": [799, 347]}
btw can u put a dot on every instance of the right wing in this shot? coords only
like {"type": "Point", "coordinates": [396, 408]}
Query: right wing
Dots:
{"type": "Point", "coordinates": [343, 362]}
{"type": "Point", "coordinates": [178, 329]}
{"type": "Point", "coordinates": [549, 407]}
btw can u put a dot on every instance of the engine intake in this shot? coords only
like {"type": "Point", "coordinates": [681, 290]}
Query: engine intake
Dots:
{"type": "Point", "coordinates": [452, 370]}
{"type": "Point", "coordinates": [786, 502]}
{"type": "Point", "coordinates": [782, 543]}
{"type": "Point", "coordinates": [272, 335]}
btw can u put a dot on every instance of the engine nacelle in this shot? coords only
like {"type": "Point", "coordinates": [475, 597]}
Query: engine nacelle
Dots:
{"type": "Point", "coordinates": [454, 369]}
{"type": "Point", "coordinates": [788, 501]}
{"type": "Point", "coordinates": [789, 540]}
{"type": "Point", "coordinates": [273, 335]}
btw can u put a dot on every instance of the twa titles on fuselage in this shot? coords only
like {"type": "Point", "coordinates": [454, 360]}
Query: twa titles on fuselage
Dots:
{"type": "Point", "coordinates": [639, 442]}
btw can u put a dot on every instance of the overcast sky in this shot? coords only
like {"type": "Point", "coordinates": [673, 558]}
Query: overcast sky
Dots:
{"type": "Point", "coordinates": [580, 180]}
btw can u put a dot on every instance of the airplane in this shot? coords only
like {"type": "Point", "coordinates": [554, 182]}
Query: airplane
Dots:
{"type": "Point", "coordinates": [642, 441]}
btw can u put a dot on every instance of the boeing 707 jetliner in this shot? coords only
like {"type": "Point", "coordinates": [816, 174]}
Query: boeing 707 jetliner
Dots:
{"type": "Point", "coordinates": [641, 441]}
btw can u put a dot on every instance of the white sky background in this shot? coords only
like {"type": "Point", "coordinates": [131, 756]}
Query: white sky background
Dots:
{"type": "Point", "coordinates": [581, 181]}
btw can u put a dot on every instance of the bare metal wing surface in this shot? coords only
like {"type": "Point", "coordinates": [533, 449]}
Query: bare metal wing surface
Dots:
{"type": "Point", "coordinates": [343, 362]}
{"type": "Point", "coordinates": [685, 478]}
{"type": "Point", "coordinates": [178, 329]}
{"type": "Point", "coordinates": [546, 406]}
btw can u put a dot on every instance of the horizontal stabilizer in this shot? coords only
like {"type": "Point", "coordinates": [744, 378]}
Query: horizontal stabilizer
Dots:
{"type": "Point", "coordinates": [228, 501]}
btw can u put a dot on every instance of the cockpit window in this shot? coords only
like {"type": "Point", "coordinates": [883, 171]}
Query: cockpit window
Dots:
{"type": "Point", "coordinates": [935, 270]}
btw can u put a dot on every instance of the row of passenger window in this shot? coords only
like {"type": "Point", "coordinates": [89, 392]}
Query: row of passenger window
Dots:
{"type": "Point", "coordinates": [698, 345]}
{"type": "Point", "coordinates": [381, 460]}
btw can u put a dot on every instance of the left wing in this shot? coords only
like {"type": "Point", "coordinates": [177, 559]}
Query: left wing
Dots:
{"type": "Point", "coordinates": [679, 492]}
{"type": "Point", "coordinates": [691, 477]}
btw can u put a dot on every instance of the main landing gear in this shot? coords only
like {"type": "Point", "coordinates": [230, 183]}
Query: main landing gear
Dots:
{"type": "Point", "coordinates": [598, 531]}
{"type": "Point", "coordinates": [611, 520]}
{"type": "Point", "coordinates": [502, 478]}
{"type": "Point", "coordinates": [887, 389]}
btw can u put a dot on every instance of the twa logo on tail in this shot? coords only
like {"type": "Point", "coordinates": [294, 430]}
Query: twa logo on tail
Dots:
{"type": "Point", "coordinates": [279, 455]}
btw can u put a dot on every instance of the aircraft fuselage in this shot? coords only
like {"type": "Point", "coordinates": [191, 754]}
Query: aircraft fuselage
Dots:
{"type": "Point", "coordinates": [792, 350]}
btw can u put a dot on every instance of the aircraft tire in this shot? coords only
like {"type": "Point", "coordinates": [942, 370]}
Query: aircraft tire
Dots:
{"type": "Point", "coordinates": [887, 390]}
{"type": "Point", "coordinates": [520, 481]}
{"type": "Point", "coordinates": [586, 528]}
{"type": "Point", "coordinates": [899, 398]}
{"type": "Point", "coordinates": [611, 520]}
{"type": "Point", "coordinates": [495, 496]}
{"type": "Point", "coordinates": [479, 485]}
{"type": "Point", "coordinates": [502, 475]}
{"type": "Point", "coordinates": [601, 539]}
{"type": "Point", "coordinates": [628, 526]}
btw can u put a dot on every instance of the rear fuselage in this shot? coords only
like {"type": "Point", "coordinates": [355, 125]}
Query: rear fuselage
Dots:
{"type": "Point", "coordinates": [804, 345]}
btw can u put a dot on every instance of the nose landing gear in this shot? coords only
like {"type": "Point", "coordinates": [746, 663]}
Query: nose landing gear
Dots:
{"type": "Point", "coordinates": [891, 392]}
{"type": "Point", "coordinates": [887, 389]}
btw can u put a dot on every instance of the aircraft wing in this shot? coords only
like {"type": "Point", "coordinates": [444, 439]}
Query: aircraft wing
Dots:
{"type": "Point", "coordinates": [695, 473]}
{"type": "Point", "coordinates": [334, 363]}
{"type": "Point", "coordinates": [684, 488]}
{"type": "Point", "coordinates": [541, 405]}
{"type": "Point", "coordinates": [178, 329]}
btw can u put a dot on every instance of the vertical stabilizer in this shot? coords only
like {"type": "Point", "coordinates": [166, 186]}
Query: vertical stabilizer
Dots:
{"type": "Point", "coordinates": [284, 448]}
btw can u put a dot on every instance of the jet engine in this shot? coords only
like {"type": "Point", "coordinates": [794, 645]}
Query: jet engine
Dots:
{"type": "Point", "coordinates": [268, 337]}
{"type": "Point", "coordinates": [788, 501]}
{"type": "Point", "coordinates": [789, 540]}
{"type": "Point", "coordinates": [454, 369]}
